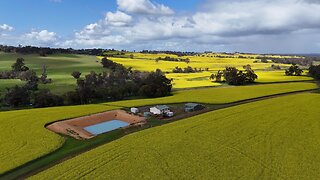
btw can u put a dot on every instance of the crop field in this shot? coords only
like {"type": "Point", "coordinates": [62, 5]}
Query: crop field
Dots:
{"type": "Point", "coordinates": [59, 66]}
{"type": "Point", "coordinates": [270, 139]}
{"type": "Point", "coordinates": [24, 138]}
{"type": "Point", "coordinates": [24, 127]}
{"type": "Point", "coordinates": [202, 79]}
{"type": "Point", "coordinates": [213, 64]}
{"type": "Point", "coordinates": [220, 95]}
{"type": "Point", "coordinates": [279, 76]}
{"type": "Point", "coordinates": [146, 62]}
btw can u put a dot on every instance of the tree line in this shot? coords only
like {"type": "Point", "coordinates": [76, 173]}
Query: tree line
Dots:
{"type": "Point", "coordinates": [303, 61]}
{"type": "Point", "coordinates": [188, 69]}
{"type": "Point", "coordinates": [168, 58]}
{"type": "Point", "coordinates": [44, 51]}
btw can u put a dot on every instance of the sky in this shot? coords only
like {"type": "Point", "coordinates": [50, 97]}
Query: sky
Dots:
{"type": "Point", "coordinates": [256, 26]}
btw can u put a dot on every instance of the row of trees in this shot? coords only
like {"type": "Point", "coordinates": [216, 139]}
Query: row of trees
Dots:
{"type": "Point", "coordinates": [233, 76]}
{"type": "Point", "coordinates": [119, 83]}
{"type": "Point", "coordinates": [178, 53]}
{"type": "Point", "coordinates": [168, 58]}
{"type": "Point", "coordinates": [188, 69]}
{"type": "Point", "coordinates": [44, 51]}
{"type": "Point", "coordinates": [303, 61]}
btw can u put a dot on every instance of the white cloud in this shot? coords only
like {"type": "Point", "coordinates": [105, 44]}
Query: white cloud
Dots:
{"type": "Point", "coordinates": [144, 7]}
{"type": "Point", "coordinates": [118, 18]}
{"type": "Point", "coordinates": [5, 27]}
{"type": "Point", "coordinates": [41, 36]}
{"type": "Point", "coordinates": [233, 25]}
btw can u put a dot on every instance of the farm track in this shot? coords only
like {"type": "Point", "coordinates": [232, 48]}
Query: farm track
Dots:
{"type": "Point", "coordinates": [33, 167]}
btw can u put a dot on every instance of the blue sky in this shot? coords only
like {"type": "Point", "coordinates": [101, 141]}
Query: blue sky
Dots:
{"type": "Point", "coordinates": [273, 26]}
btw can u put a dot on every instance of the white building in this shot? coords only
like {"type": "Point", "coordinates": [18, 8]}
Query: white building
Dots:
{"type": "Point", "coordinates": [160, 109]}
{"type": "Point", "coordinates": [134, 110]}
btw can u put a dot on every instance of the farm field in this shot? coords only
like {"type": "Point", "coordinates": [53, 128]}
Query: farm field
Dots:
{"type": "Point", "coordinates": [220, 95]}
{"type": "Point", "coordinates": [270, 139]}
{"type": "Point", "coordinates": [31, 140]}
{"type": "Point", "coordinates": [202, 79]}
{"type": "Point", "coordinates": [213, 64]}
{"type": "Point", "coordinates": [146, 62]}
{"type": "Point", "coordinates": [15, 125]}
{"type": "Point", "coordinates": [60, 67]}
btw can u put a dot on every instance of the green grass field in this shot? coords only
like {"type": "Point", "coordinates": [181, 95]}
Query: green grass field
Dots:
{"type": "Point", "coordinates": [59, 66]}
{"type": "Point", "coordinates": [31, 140]}
{"type": "Point", "coordinates": [271, 139]}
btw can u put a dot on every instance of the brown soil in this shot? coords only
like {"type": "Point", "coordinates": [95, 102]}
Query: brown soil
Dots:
{"type": "Point", "coordinates": [75, 127]}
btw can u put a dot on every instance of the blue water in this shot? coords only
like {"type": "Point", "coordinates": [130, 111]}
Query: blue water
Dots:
{"type": "Point", "coordinates": [105, 127]}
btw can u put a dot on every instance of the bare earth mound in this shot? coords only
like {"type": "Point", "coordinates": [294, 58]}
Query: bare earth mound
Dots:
{"type": "Point", "coordinates": [75, 127]}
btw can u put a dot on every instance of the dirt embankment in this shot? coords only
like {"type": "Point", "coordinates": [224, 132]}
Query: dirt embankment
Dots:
{"type": "Point", "coordinates": [75, 127]}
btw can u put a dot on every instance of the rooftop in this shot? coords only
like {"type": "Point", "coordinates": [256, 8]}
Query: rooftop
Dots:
{"type": "Point", "coordinates": [162, 107]}
{"type": "Point", "coordinates": [191, 104]}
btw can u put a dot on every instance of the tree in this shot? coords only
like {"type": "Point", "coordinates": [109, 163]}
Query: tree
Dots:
{"type": "Point", "coordinates": [44, 77]}
{"type": "Point", "coordinates": [277, 67]}
{"type": "Point", "coordinates": [45, 98]}
{"type": "Point", "coordinates": [156, 85]}
{"type": "Point", "coordinates": [19, 65]}
{"type": "Point", "coordinates": [106, 63]}
{"type": "Point", "coordinates": [32, 79]}
{"type": "Point", "coordinates": [76, 74]}
{"type": "Point", "coordinates": [72, 98]}
{"type": "Point", "coordinates": [17, 96]}
{"type": "Point", "coordinates": [314, 71]}
{"type": "Point", "coordinates": [233, 76]}
{"type": "Point", "coordinates": [217, 77]}
{"type": "Point", "coordinates": [294, 70]}
{"type": "Point", "coordinates": [28, 75]}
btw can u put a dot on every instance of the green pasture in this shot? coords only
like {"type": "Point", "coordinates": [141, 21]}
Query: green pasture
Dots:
{"type": "Point", "coordinates": [59, 68]}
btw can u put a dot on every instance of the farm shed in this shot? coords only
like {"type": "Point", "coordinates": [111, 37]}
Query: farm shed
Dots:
{"type": "Point", "coordinates": [189, 107]}
{"type": "Point", "coordinates": [160, 109]}
{"type": "Point", "coordinates": [134, 110]}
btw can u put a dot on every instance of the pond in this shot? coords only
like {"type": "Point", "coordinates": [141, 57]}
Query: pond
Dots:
{"type": "Point", "coordinates": [105, 127]}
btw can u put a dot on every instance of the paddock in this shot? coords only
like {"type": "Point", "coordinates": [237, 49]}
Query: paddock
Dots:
{"type": "Point", "coordinates": [84, 127]}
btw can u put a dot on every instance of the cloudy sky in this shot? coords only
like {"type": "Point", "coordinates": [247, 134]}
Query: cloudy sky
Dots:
{"type": "Point", "coordinates": [264, 26]}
